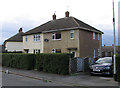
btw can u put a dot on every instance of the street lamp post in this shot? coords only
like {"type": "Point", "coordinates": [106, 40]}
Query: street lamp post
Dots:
{"type": "Point", "coordinates": [114, 43]}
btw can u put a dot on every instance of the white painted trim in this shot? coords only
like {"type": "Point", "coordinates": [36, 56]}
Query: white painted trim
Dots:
{"type": "Point", "coordinates": [72, 31]}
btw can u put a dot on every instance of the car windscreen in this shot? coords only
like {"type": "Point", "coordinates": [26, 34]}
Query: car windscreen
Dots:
{"type": "Point", "coordinates": [104, 60]}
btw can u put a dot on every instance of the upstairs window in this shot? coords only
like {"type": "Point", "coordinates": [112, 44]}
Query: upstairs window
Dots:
{"type": "Point", "coordinates": [72, 34]}
{"type": "Point", "coordinates": [56, 36]}
{"type": "Point", "coordinates": [36, 51]}
{"type": "Point", "coordinates": [36, 37]}
{"type": "Point", "coordinates": [98, 36]}
{"type": "Point", "coordinates": [26, 38]}
{"type": "Point", "coordinates": [93, 35]}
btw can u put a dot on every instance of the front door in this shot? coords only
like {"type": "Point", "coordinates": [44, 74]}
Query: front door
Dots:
{"type": "Point", "coordinates": [74, 53]}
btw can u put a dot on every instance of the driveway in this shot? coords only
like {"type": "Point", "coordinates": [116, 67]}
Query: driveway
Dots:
{"type": "Point", "coordinates": [34, 78]}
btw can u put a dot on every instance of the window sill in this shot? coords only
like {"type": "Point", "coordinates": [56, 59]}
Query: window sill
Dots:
{"type": "Point", "coordinates": [56, 39]}
{"type": "Point", "coordinates": [71, 38]}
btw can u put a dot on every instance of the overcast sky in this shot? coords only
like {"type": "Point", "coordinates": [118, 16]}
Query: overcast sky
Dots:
{"type": "Point", "coordinates": [31, 13]}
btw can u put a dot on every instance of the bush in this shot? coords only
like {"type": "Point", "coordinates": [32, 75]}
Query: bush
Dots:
{"type": "Point", "coordinates": [17, 60]}
{"type": "Point", "coordinates": [53, 63]}
{"type": "Point", "coordinates": [118, 67]}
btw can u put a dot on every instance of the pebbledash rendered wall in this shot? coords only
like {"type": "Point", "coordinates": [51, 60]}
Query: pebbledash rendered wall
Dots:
{"type": "Point", "coordinates": [31, 44]}
{"type": "Point", "coordinates": [14, 46]}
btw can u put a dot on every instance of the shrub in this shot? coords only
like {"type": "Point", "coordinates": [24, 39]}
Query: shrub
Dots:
{"type": "Point", "coordinates": [17, 60]}
{"type": "Point", "coordinates": [57, 63]}
{"type": "Point", "coordinates": [53, 63]}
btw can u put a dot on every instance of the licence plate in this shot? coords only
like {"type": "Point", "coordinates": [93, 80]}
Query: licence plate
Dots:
{"type": "Point", "coordinates": [96, 70]}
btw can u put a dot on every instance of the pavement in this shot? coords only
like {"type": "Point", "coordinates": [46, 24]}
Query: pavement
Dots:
{"type": "Point", "coordinates": [17, 77]}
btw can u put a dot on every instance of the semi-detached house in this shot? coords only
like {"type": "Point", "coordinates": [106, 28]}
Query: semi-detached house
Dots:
{"type": "Point", "coordinates": [65, 35]}
{"type": "Point", "coordinates": [14, 43]}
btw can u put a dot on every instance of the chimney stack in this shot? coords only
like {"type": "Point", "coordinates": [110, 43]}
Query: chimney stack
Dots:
{"type": "Point", "coordinates": [66, 14]}
{"type": "Point", "coordinates": [20, 30]}
{"type": "Point", "coordinates": [54, 17]}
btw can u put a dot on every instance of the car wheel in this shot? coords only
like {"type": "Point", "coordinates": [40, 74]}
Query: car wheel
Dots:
{"type": "Point", "coordinates": [91, 74]}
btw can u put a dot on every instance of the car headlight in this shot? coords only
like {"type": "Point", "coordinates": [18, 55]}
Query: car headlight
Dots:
{"type": "Point", "coordinates": [107, 67]}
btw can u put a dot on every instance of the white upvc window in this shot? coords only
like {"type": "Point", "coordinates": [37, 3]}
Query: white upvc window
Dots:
{"type": "Point", "coordinates": [93, 53]}
{"type": "Point", "coordinates": [56, 50]}
{"type": "Point", "coordinates": [98, 36]}
{"type": "Point", "coordinates": [36, 51]}
{"type": "Point", "coordinates": [26, 38]}
{"type": "Point", "coordinates": [98, 52]}
{"type": "Point", "coordinates": [36, 37]}
{"type": "Point", "coordinates": [56, 36]}
{"type": "Point", "coordinates": [72, 34]}
{"type": "Point", "coordinates": [53, 51]}
{"type": "Point", "coordinates": [93, 35]}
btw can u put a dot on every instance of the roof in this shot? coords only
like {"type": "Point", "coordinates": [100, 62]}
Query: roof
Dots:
{"type": "Point", "coordinates": [16, 38]}
{"type": "Point", "coordinates": [110, 48]}
{"type": "Point", "coordinates": [63, 23]}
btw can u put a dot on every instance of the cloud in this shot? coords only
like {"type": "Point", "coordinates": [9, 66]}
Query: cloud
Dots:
{"type": "Point", "coordinates": [108, 38]}
{"type": "Point", "coordinates": [31, 13]}
{"type": "Point", "coordinates": [11, 28]}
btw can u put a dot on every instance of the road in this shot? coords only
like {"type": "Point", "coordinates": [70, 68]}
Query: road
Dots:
{"type": "Point", "coordinates": [15, 80]}
{"type": "Point", "coordinates": [79, 79]}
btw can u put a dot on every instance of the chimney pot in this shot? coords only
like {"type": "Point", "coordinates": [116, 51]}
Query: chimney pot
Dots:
{"type": "Point", "coordinates": [54, 17]}
{"type": "Point", "coordinates": [67, 13]}
{"type": "Point", "coordinates": [20, 30]}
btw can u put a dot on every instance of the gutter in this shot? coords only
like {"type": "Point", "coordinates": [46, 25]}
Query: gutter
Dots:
{"type": "Point", "coordinates": [72, 29]}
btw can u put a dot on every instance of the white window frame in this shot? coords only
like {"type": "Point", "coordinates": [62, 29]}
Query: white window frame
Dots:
{"type": "Point", "coordinates": [98, 52]}
{"type": "Point", "coordinates": [93, 35]}
{"type": "Point", "coordinates": [54, 35]}
{"type": "Point", "coordinates": [36, 37]}
{"type": "Point", "coordinates": [98, 36]}
{"type": "Point", "coordinates": [93, 53]}
{"type": "Point", "coordinates": [53, 50]}
{"type": "Point", "coordinates": [72, 32]}
{"type": "Point", "coordinates": [36, 51]}
{"type": "Point", "coordinates": [26, 39]}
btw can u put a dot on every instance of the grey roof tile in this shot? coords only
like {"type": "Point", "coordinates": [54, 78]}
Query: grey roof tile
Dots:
{"type": "Point", "coordinates": [63, 23]}
{"type": "Point", "coordinates": [16, 38]}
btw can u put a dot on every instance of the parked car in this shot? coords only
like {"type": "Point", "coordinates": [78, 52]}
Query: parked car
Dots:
{"type": "Point", "coordinates": [103, 66]}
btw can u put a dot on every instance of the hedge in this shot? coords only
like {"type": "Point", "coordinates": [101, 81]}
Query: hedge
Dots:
{"type": "Point", "coordinates": [57, 63]}
{"type": "Point", "coordinates": [118, 67]}
{"type": "Point", "coordinates": [17, 60]}
{"type": "Point", "coordinates": [53, 63]}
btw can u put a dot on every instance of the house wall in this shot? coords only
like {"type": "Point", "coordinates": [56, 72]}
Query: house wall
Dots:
{"type": "Point", "coordinates": [88, 44]}
{"type": "Point", "coordinates": [62, 44]}
{"type": "Point", "coordinates": [83, 41]}
{"type": "Point", "coordinates": [14, 46]}
{"type": "Point", "coordinates": [31, 44]}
